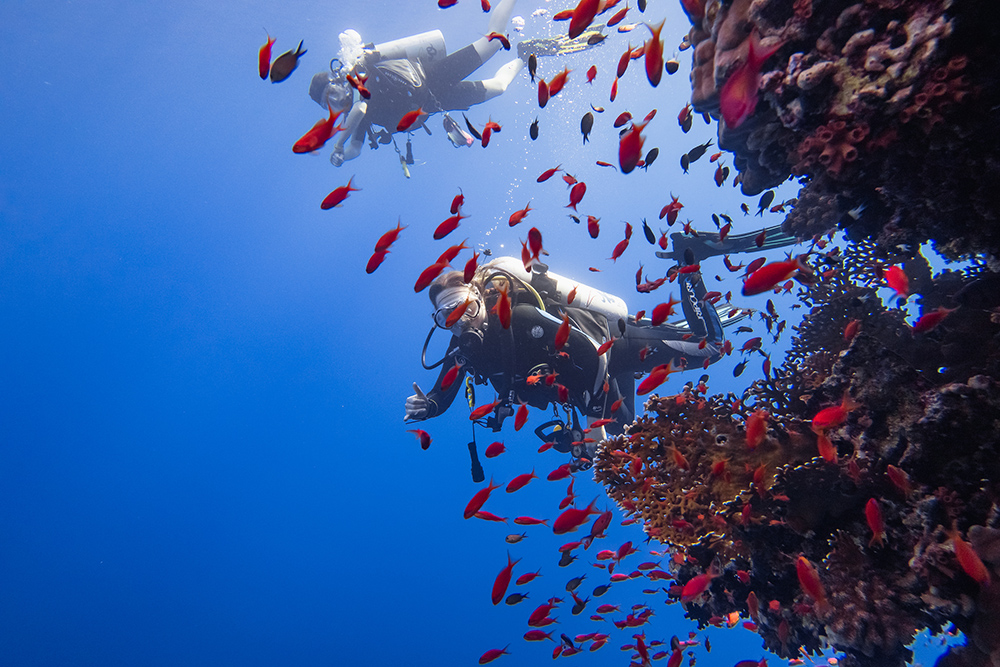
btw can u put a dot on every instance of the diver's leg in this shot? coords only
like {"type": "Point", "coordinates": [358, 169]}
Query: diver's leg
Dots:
{"type": "Point", "coordinates": [464, 62]}
{"type": "Point", "coordinates": [701, 316]}
{"type": "Point", "coordinates": [464, 94]}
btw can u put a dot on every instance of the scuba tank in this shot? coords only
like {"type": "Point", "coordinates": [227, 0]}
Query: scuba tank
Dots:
{"type": "Point", "coordinates": [427, 47]}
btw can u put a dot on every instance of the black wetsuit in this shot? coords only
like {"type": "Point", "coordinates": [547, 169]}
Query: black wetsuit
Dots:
{"type": "Point", "coordinates": [508, 357]}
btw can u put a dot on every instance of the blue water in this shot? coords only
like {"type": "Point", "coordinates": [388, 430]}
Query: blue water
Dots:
{"type": "Point", "coordinates": [202, 454]}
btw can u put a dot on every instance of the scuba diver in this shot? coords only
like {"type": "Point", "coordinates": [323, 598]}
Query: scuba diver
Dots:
{"type": "Point", "coordinates": [518, 360]}
{"type": "Point", "coordinates": [404, 74]}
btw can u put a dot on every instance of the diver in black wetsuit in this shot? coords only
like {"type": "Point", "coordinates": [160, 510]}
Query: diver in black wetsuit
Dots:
{"type": "Point", "coordinates": [516, 360]}
{"type": "Point", "coordinates": [405, 74]}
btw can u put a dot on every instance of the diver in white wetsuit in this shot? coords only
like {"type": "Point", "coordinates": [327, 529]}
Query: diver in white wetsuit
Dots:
{"type": "Point", "coordinates": [405, 74]}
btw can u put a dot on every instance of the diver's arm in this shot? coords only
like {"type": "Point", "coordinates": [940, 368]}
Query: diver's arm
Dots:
{"type": "Point", "coordinates": [354, 129]}
{"type": "Point", "coordinates": [421, 406]}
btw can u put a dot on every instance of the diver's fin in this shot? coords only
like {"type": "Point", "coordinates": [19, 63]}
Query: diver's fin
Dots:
{"type": "Point", "coordinates": [707, 244]}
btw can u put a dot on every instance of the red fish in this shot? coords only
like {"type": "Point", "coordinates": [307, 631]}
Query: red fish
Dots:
{"type": "Point", "coordinates": [655, 378]}
{"type": "Point", "coordinates": [809, 580]}
{"type": "Point", "coordinates": [479, 500]}
{"type": "Point", "coordinates": [968, 559]}
{"type": "Point", "coordinates": [623, 118]}
{"type": "Point", "coordinates": [614, 89]}
{"type": "Point", "coordinates": [835, 415]}
{"type": "Point", "coordinates": [623, 62]}
{"type": "Point", "coordinates": [521, 417]}
{"type": "Point", "coordinates": [422, 436]}
{"type": "Point", "coordinates": [591, 74]}
{"type": "Point", "coordinates": [826, 448]}
{"type": "Point", "coordinates": [486, 5]}
{"type": "Point", "coordinates": [318, 135]}
{"type": "Point", "coordinates": [444, 4]}
{"type": "Point", "coordinates": [558, 81]}
{"type": "Point", "coordinates": [387, 239]}
{"type": "Point", "coordinates": [654, 55]}
{"type": "Point", "coordinates": [543, 93]}
{"type": "Point", "coordinates": [427, 276]}
{"type": "Point", "coordinates": [630, 148]}
{"type": "Point", "coordinates": [451, 253]}
{"type": "Point", "coordinates": [572, 295]}
{"type": "Point", "coordinates": [528, 521]}
{"type": "Point", "coordinates": [548, 173]}
{"type": "Point", "coordinates": [408, 119]}
{"type": "Point", "coordinates": [562, 334]}
{"type": "Point", "coordinates": [618, 18]}
{"type": "Point", "coordinates": [495, 449]}
{"type": "Point", "coordinates": [448, 226]}
{"type": "Point", "coordinates": [619, 249]}
{"type": "Point", "coordinates": [738, 97]}
{"type": "Point", "coordinates": [449, 378]}
{"type": "Point", "coordinates": [517, 483]}
{"type": "Point", "coordinates": [874, 517]}
{"type": "Point", "coordinates": [583, 16]}
{"type": "Point", "coordinates": [929, 321]}
{"type": "Point", "coordinates": [503, 308]}
{"type": "Point", "coordinates": [769, 275]}
{"type": "Point", "coordinates": [375, 260]}
{"type": "Point", "coordinates": [264, 58]}
{"type": "Point", "coordinates": [572, 518]}
{"type": "Point", "coordinates": [756, 428]}
{"type": "Point", "coordinates": [562, 472]}
{"type": "Point", "coordinates": [457, 202]}
{"type": "Point", "coordinates": [898, 281]}
{"type": "Point", "coordinates": [662, 311]}
{"type": "Point", "coordinates": [564, 15]}
{"type": "Point", "coordinates": [593, 226]}
{"type": "Point", "coordinates": [605, 346]}
{"type": "Point", "coordinates": [484, 410]}
{"type": "Point", "coordinates": [493, 653]}
{"type": "Point", "coordinates": [338, 195]}
{"type": "Point", "coordinates": [504, 42]}
{"type": "Point", "coordinates": [698, 585]}
{"type": "Point", "coordinates": [470, 268]}
{"type": "Point", "coordinates": [576, 194]}
{"type": "Point", "coordinates": [517, 216]}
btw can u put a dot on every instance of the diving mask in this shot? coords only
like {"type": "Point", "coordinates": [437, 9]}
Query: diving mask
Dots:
{"type": "Point", "coordinates": [455, 298]}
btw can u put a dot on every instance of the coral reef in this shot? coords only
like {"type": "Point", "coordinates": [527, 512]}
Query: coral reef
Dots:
{"type": "Point", "coordinates": [919, 438]}
{"type": "Point", "coordinates": [884, 104]}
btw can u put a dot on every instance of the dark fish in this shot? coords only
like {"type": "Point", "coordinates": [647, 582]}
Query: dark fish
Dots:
{"type": "Point", "coordinates": [744, 330]}
{"type": "Point", "coordinates": [566, 641]}
{"type": "Point", "coordinates": [472, 129]}
{"type": "Point", "coordinates": [650, 236]}
{"type": "Point", "coordinates": [707, 117]}
{"type": "Point", "coordinates": [596, 38]}
{"type": "Point", "coordinates": [642, 5]}
{"type": "Point", "coordinates": [671, 65]}
{"type": "Point", "coordinates": [601, 590]}
{"type": "Point", "coordinates": [745, 208]}
{"type": "Point", "coordinates": [574, 583]}
{"type": "Point", "coordinates": [765, 201]}
{"type": "Point", "coordinates": [566, 559]}
{"type": "Point", "coordinates": [715, 219]}
{"type": "Point", "coordinates": [514, 598]}
{"type": "Point", "coordinates": [725, 217]}
{"type": "Point", "coordinates": [285, 64]}
{"type": "Point", "coordinates": [533, 130]}
{"type": "Point", "coordinates": [698, 151]}
{"type": "Point", "coordinates": [685, 163]}
{"type": "Point", "coordinates": [686, 123]}
{"type": "Point", "coordinates": [650, 157]}
{"type": "Point", "coordinates": [514, 538]}
{"type": "Point", "coordinates": [586, 125]}
{"type": "Point", "coordinates": [532, 65]}
{"type": "Point", "coordinates": [575, 219]}
{"type": "Point", "coordinates": [621, 326]}
{"type": "Point", "coordinates": [580, 606]}
{"type": "Point", "coordinates": [738, 370]}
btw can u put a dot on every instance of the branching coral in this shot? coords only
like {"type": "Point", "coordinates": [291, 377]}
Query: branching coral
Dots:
{"type": "Point", "coordinates": [917, 442]}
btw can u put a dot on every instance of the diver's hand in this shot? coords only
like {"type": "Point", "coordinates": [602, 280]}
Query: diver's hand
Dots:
{"type": "Point", "coordinates": [417, 406]}
{"type": "Point", "coordinates": [337, 157]}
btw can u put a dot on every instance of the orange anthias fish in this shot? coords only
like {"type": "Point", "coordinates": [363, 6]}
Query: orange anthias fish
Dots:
{"type": "Point", "coordinates": [264, 58]}
{"type": "Point", "coordinates": [698, 585]}
{"type": "Point", "coordinates": [738, 97]}
{"type": "Point", "coordinates": [572, 518]}
{"type": "Point", "coordinates": [520, 481]}
{"type": "Point", "coordinates": [452, 252]}
{"type": "Point", "coordinates": [521, 417]}
{"type": "Point", "coordinates": [422, 436]}
{"type": "Point", "coordinates": [456, 314]}
{"type": "Point", "coordinates": [572, 295]}
{"type": "Point", "coordinates": [654, 55]}
{"type": "Point", "coordinates": [449, 378]}
{"type": "Point", "coordinates": [929, 321]}
{"type": "Point", "coordinates": [591, 74]}
{"type": "Point", "coordinates": [408, 119]}
{"type": "Point", "coordinates": [630, 147]}
{"type": "Point", "coordinates": [583, 16]}
{"type": "Point", "coordinates": [517, 216]}
{"type": "Point", "coordinates": [387, 239]}
{"type": "Point", "coordinates": [493, 653]}
{"type": "Point", "coordinates": [376, 260]}
{"type": "Point", "coordinates": [558, 81]}
{"type": "Point", "coordinates": [495, 449]}
{"type": "Point", "coordinates": [428, 275]}
{"type": "Point", "coordinates": [562, 334]}
{"type": "Point", "coordinates": [809, 580]}
{"type": "Point", "coordinates": [655, 378]}
{"type": "Point", "coordinates": [874, 517]}
{"type": "Point", "coordinates": [338, 195]}
{"type": "Point", "coordinates": [479, 500]}
{"type": "Point", "coordinates": [470, 268]}
{"type": "Point", "coordinates": [318, 135]}
{"type": "Point", "coordinates": [547, 174]}
{"type": "Point", "coordinates": [503, 580]}
{"type": "Point", "coordinates": [504, 42]}
{"type": "Point", "coordinates": [968, 558]}
{"type": "Point", "coordinates": [756, 428]}
{"type": "Point", "coordinates": [448, 226]}
{"type": "Point", "coordinates": [898, 281]}
{"type": "Point", "coordinates": [835, 415]}
{"type": "Point", "coordinates": [484, 410]}
{"type": "Point", "coordinates": [503, 308]}
{"type": "Point", "coordinates": [619, 249]}
{"type": "Point", "coordinates": [543, 93]}
{"type": "Point", "coordinates": [662, 311]}
{"type": "Point", "coordinates": [576, 194]}
{"type": "Point", "coordinates": [769, 275]}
